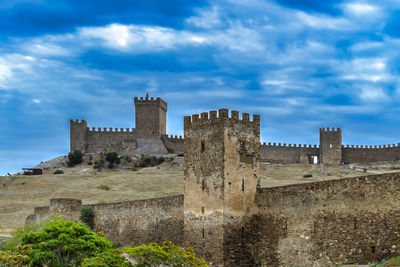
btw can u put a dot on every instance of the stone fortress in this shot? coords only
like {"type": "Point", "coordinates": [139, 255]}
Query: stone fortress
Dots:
{"type": "Point", "coordinates": [149, 136]}
{"type": "Point", "coordinates": [230, 220]}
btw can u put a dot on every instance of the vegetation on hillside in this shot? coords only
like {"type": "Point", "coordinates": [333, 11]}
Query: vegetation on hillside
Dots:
{"type": "Point", "coordinates": [74, 158]}
{"type": "Point", "coordinates": [67, 243]}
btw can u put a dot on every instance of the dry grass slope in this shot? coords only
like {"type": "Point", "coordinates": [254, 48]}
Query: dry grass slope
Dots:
{"type": "Point", "coordinates": [20, 194]}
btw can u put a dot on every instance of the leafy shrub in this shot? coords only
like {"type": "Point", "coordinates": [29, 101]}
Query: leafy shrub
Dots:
{"type": "Point", "coordinates": [307, 175]}
{"type": "Point", "coordinates": [127, 158]}
{"type": "Point", "coordinates": [63, 243]}
{"type": "Point", "coordinates": [169, 159]}
{"type": "Point", "coordinates": [58, 172]}
{"type": "Point", "coordinates": [149, 161]}
{"type": "Point", "coordinates": [112, 158]}
{"type": "Point", "coordinates": [165, 254]}
{"type": "Point", "coordinates": [103, 187]}
{"type": "Point", "coordinates": [101, 201]}
{"type": "Point", "coordinates": [74, 158]}
{"type": "Point", "coordinates": [110, 257]}
{"type": "Point", "coordinates": [90, 163]}
{"type": "Point", "coordinates": [135, 169]}
{"type": "Point", "coordinates": [87, 217]}
{"type": "Point", "coordinates": [99, 164]}
{"type": "Point", "coordinates": [15, 258]}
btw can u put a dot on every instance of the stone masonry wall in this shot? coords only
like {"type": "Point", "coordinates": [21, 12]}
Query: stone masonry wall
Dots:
{"type": "Point", "coordinates": [288, 154]}
{"type": "Point", "coordinates": [121, 141]}
{"type": "Point", "coordinates": [369, 154]}
{"type": "Point", "coordinates": [128, 223]}
{"type": "Point", "coordinates": [173, 144]}
{"type": "Point", "coordinates": [353, 220]}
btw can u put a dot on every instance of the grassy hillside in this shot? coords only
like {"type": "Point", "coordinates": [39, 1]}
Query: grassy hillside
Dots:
{"type": "Point", "coordinates": [19, 194]}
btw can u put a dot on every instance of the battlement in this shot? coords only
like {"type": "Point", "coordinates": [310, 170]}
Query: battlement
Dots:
{"type": "Point", "coordinates": [77, 121]}
{"type": "Point", "coordinates": [176, 137]}
{"type": "Point", "coordinates": [110, 130]}
{"type": "Point", "coordinates": [372, 147]}
{"type": "Point", "coordinates": [327, 130]}
{"type": "Point", "coordinates": [150, 100]}
{"type": "Point", "coordinates": [223, 114]}
{"type": "Point", "coordinates": [284, 145]}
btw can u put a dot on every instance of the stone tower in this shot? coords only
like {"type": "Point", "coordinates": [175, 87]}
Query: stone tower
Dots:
{"type": "Point", "coordinates": [150, 117]}
{"type": "Point", "coordinates": [330, 145]}
{"type": "Point", "coordinates": [78, 135]}
{"type": "Point", "coordinates": [221, 178]}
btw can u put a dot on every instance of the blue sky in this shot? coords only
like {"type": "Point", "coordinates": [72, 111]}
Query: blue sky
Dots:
{"type": "Point", "coordinates": [301, 65]}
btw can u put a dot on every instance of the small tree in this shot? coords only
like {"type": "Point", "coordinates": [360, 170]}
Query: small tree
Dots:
{"type": "Point", "coordinates": [112, 158]}
{"type": "Point", "coordinates": [87, 217]}
{"type": "Point", "coordinates": [164, 254]}
{"type": "Point", "coordinates": [64, 243]}
{"type": "Point", "coordinates": [74, 158]}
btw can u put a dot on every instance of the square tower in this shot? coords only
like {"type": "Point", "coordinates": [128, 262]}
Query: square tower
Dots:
{"type": "Point", "coordinates": [150, 117]}
{"type": "Point", "coordinates": [330, 146]}
{"type": "Point", "coordinates": [221, 167]}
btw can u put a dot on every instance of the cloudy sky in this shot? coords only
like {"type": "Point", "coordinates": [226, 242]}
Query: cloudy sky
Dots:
{"type": "Point", "coordinates": [301, 65]}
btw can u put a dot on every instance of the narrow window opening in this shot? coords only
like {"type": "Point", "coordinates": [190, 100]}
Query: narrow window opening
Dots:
{"type": "Point", "coordinates": [242, 146]}
{"type": "Point", "coordinates": [330, 145]}
{"type": "Point", "coordinates": [373, 249]}
{"type": "Point", "coordinates": [355, 224]}
{"type": "Point", "coordinates": [203, 146]}
{"type": "Point", "coordinates": [203, 233]}
{"type": "Point", "coordinates": [203, 185]}
{"type": "Point", "coordinates": [242, 185]}
{"type": "Point", "coordinates": [202, 210]}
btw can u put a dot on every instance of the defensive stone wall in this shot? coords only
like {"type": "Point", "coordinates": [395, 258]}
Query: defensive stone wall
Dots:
{"type": "Point", "coordinates": [174, 144]}
{"type": "Point", "coordinates": [347, 221]}
{"type": "Point", "coordinates": [128, 223]}
{"type": "Point", "coordinates": [288, 154]}
{"type": "Point", "coordinates": [368, 154]}
{"type": "Point", "coordinates": [118, 140]}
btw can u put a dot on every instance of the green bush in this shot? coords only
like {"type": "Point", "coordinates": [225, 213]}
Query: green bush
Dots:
{"type": "Point", "coordinates": [99, 164]}
{"type": "Point", "coordinates": [112, 158]}
{"type": "Point", "coordinates": [63, 243]}
{"type": "Point", "coordinates": [87, 216]}
{"type": "Point", "coordinates": [149, 161]}
{"type": "Point", "coordinates": [165, 254]}
{"type": "Point", "coordinates": [58, 172]}
{"type": "Point", "coordinates": [74, 158]}
{"type": "Point", "coordinates": [110, 258]}
{"type": "Point", "coordinates": [103, 187]}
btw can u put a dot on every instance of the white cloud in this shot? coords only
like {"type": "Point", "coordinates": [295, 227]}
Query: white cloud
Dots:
{"type": "Point", "coordinates": [373, 94]}
{"type": "Point", "coordinates": [206, 18]}
{"type": "Point", "coordinates": [359, 9]}
{"type": "Point", "coordinates": [47, 49]}
{"type": "Point", "coordinates": [36, 101]}
{"type": "Point", "coordinates": [325, 22]}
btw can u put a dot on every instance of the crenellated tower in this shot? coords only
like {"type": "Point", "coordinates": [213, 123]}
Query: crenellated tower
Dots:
{"type": "Point", "coordinates": [221, 167]}
{"type": "Point", "coordinates": [330, 145]}
{"type": "Point", "coordinates": [150, 117]}
{"type": "Point", "coordinates": [78, 135]}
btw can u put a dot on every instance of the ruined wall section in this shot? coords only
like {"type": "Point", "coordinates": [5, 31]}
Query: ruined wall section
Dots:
{"type": "Point", "coordinates": [174, 144]}
{"type": "Point", "coordinates": [288, 154]}
{"type": "Point", "coordinates": [370, 154]}
{"type": "Point", "coordinates": [109, 140]}
{"type": "Point", "coordinates": [204, 185]}
{"type": "Point", "coordinates": [221, 177]}
{"type": "Point", "coordinates": [347, 221]}
{"type": "Point", "coordinates": [128, 223]}
{"type": "Point", "coordinates": [150, 117]}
